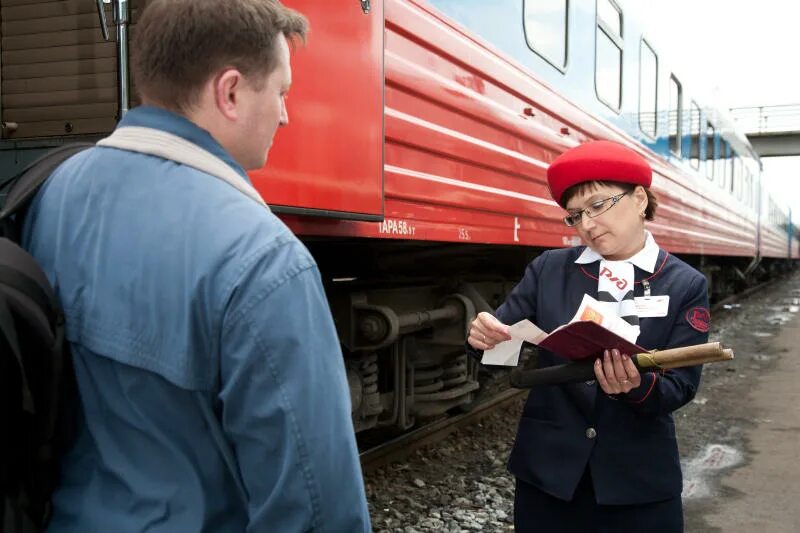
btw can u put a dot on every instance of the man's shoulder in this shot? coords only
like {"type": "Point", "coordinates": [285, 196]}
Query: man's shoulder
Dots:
{"type": "Point", "coordinates": [275, 248]}
{"type": "Point", "coordinates": [220, 228]}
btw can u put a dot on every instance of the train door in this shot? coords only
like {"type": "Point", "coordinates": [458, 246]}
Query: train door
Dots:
{"type": "Point", "coordinates": [330, 158]}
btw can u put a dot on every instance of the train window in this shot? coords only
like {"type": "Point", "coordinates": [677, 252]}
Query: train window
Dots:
{"type": "Point", "coordinates": [609, 14]}
{"type": "Point", "coordinates": [648, 88]}
{"type": "Point", "coordinates": [608, 67]}
{"type": "Point", "coordinates": [711, 150]}
{"type": "Point", "coordinates": [730, 168]}
{"type": "Point", "coordinates": [727, 164]}
{"type": "Point", "coordinates": [740, 189]}
{"type": "Point", "coordinates": [694, 135]}
{"type": "Point", "coordinates": [546, 29]}
{"type": "Point", "coordinates": [724, 170]}
{"type": "Point", "coordinates": [746, 185]}
{"type": "Point", "coordinates": [675, 119]}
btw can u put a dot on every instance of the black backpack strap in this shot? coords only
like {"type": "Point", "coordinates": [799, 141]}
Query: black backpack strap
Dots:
{"type": "Point", "coordinates": [20, 271]}
{"type": "Point", "coordinates": [25, 294]}
{"type": "Point", "coordinates": [26, 183]}
{"type": "Point", "coordinates": [9, 332]}
{"type": "Point", "coordinates": [32, 290]}
{"type": "Point", "coordinates": [15, 519]}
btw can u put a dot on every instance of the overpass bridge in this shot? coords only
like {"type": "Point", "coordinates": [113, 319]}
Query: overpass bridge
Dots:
{"type": "Point", "coordinates": [774, 131]}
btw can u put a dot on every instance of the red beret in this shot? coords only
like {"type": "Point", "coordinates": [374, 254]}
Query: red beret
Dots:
{"type": "Point", "coordinates": [597, 161]}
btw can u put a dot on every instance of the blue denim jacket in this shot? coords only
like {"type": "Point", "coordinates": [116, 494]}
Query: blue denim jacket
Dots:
{"type": "Point", "coordinates": [185, 298]}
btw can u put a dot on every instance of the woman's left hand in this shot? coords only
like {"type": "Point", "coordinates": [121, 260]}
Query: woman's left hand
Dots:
{"type": "Point", "coordinates": [616, 373]}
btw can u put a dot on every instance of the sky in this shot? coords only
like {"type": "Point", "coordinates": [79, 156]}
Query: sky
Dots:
{"type": "Point", "coordinates": [741, 53]}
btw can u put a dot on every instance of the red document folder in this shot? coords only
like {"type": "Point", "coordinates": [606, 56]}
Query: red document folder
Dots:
{"type": "Point", "coordinates": [580, 340]}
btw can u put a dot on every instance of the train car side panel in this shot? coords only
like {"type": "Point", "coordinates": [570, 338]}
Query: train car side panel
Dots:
{"type": "Point", "coordinates": [469, 134]}
{"type": "Point", "coordinates": [331, 159]}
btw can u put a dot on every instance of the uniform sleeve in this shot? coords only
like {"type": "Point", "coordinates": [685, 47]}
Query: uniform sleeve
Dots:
{"type": "Point", "coordinates": [521, 302]}
{"type": "Point", "coordinates": [286, 404]}
{"type": "Point", "coordinates": [664, 392]}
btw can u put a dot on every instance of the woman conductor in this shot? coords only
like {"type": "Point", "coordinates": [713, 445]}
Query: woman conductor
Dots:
{"type": "Point", "coordinates": [601, 456]}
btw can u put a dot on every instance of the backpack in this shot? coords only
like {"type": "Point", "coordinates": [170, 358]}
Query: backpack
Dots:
{"type": "Point", "coordinates": [37, 389]}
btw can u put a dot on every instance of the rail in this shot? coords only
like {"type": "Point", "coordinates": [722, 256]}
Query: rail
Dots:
{"type": "Point", "coordinates": [402, 446]}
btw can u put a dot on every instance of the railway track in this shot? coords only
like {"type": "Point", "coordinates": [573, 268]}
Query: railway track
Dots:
{"type": "Point", "coordinates": [401, 447]}
{"type": "Point", "coordinates": [404, 445]}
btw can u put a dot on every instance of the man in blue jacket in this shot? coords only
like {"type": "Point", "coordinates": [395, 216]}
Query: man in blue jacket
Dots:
{"type": "Point", "coordinates": [212, 388]}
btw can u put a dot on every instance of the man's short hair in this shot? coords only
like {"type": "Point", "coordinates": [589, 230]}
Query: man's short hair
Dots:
{"type": "Point", "coordinates": [180, 44]}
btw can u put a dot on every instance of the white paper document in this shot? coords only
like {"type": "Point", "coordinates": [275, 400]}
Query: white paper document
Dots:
{"type": "Point", "coordinates": [603, 313]}
{"type": "Point", "coordinates": [507, 353]}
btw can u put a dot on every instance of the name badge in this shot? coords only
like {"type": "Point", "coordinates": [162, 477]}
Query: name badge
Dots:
{"type": "Point", "coordinates": [651, 306]}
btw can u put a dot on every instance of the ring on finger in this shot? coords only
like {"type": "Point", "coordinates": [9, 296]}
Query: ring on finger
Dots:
{"type": "Point", "coordinates": [484, 338]}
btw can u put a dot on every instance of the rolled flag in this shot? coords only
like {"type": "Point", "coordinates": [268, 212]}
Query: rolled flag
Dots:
{"type": "Point", "coordinates": [578, 371]}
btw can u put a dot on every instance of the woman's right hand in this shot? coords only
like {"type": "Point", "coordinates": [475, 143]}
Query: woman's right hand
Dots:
{"type": "Point", "coordinates": [486, 332]}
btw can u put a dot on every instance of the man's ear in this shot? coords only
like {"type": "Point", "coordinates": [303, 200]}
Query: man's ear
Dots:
{"type": "Point", "coordinates": [226, 86]}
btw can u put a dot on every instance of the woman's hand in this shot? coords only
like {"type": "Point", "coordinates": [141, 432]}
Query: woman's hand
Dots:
{"type": "Point", "coordinates": [616, 373]}
{"type": "Point", "coordinates": [486, 332]}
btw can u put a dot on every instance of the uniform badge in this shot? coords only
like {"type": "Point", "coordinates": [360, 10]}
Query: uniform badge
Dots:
{"type": "Point", "coordinates": [699, 318]}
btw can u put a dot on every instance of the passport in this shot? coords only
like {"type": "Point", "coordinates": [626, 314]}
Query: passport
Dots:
{"type": "Point", "coordinates": [593, 329]}
{"type": "Point", "coordinates": [584, 339]}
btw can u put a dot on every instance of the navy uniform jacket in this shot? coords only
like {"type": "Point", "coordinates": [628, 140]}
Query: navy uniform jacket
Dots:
{"type": "Point", "coordinates": [628, 440]}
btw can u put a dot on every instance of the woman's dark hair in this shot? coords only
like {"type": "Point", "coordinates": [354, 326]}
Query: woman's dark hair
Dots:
{"type": "Point", "coordinates": [652, 201]}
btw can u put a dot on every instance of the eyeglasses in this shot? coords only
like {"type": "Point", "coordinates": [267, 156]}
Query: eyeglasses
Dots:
{"type": "Point", "coordinates": [594, 210]}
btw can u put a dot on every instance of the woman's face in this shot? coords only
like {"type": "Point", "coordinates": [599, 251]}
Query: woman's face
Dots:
{"type": "Point", "coordinates": [618, 232]}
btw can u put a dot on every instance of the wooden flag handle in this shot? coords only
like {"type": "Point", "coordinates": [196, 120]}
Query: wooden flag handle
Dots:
{"type": "Point", "coordinates": [687, 356]}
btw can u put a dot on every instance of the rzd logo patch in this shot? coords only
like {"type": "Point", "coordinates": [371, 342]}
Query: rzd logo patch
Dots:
{"type": "Point", "coordinates": [699, 318]}
{"type": "Point", "coordinates": [619, 282]}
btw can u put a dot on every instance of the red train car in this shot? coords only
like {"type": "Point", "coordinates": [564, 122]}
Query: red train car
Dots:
{"type": "Point", "coordinates": [468, 137]}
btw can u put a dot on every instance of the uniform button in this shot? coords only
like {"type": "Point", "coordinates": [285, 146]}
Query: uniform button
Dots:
{"type": "Point", "coordinates": [590, 382]}
{"type": "Point", "coordinates": [591, 433]}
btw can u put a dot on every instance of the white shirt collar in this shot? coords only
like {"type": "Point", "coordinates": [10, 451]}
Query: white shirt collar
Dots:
{"type": "Point", "coordinates": [645, 259]}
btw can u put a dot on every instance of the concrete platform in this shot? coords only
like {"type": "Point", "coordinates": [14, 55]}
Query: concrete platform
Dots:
{"type": "Point", "coordinates": [752, 454]}
{"type": "Point", "coordinates": [769, 484]}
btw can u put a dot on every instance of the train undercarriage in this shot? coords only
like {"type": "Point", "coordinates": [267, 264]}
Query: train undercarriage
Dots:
{"type": "Point", "coordinates": [403, 311]}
